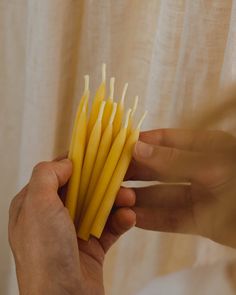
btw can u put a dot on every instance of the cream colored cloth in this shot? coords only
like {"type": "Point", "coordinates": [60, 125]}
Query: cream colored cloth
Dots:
{"type": "Point", "coordinates": [205, 280]}
{"type": "Point", "coordinates": [176, 56]}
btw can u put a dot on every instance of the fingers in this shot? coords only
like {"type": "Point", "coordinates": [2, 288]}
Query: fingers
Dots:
{"type": "Point", "coordinates": [167, 164]}
{"type": "Point", "coordinates": [172, 220]}
{"type": "Point", "coordinates": [49, 176]}
{"type": "Point", "coordinates": [167, 208]}
{"type": "Point", "coordinates": [138, 171]}
{"type": "Point", "coordinates": [164, 196]}
{"type": "Point", "coordinates": [125, 197]}
{"type": "Point", "coordinates": [174, 165]}
{"type": "Point", "coordinates": [119, 222]}
{"type": "Point", "coordinates": [192, 140]}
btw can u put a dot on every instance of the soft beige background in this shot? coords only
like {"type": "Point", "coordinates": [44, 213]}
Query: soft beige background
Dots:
{"type": "Point", "coordinates": [176, 56]}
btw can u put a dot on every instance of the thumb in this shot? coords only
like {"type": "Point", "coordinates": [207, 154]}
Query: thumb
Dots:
{"type": "Point", "coordinates": [49, 176]}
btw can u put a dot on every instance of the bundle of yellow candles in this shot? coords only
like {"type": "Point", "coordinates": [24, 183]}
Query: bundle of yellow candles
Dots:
{"type": "Point", "coordinates": [100, 150]}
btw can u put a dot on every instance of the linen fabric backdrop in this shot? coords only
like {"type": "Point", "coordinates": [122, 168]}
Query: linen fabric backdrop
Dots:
{"type": "Point", "coordinates": [176, 55]}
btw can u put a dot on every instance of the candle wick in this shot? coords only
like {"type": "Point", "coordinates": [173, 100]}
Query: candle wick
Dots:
{"type": "Point", "coordinates": [134, 106]}
{"type": "Point", "coordinates": [103, 72]}
{"type": "Point", "coordinates": [124, 93]}
{"type": "Point", "coordinates": [101, 110]}
{"type": "Point", "coordinates": [86, 84]}
{"type": "Point", "coordinates": [127, 118]}
{"type": "Point", "coordinates": [112, 84]}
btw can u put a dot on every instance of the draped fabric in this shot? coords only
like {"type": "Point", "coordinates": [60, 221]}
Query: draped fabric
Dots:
{"type": "Point", "coordinates": [176, 55]}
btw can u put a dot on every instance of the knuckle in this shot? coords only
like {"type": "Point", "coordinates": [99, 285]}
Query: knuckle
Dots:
{"type": "Point", "coordinates": [44, 174]}
{"type": "Point", "coordinates": [44, 169]}
{"type": "Point", "coordinates": [42, 166]}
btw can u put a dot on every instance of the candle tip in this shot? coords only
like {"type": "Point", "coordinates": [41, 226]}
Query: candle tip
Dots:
{"type": "Point", "coordinates": [101, 110]}
{"type": "Point", "coordinates": [85, 104]}
{"type": "Point", "coordinates": [127, 118]}
{"type": "Point", "coordinates": [113, 113]}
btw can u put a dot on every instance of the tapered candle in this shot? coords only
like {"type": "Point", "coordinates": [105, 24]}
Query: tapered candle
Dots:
{"type": "Point", "coordinates": [99, 97]}
{"type": "Point", "coordinates": [103, 151]}
{"type": "Point", "coordinates": [109, 105]}
{"type": "Point", "coordinates": [103, 181]}
{"type": "Point", "coordinates": [131, 118]}
{"type": "Point", "coordinates": [89, 160]}
{"type": "Point", "coordinates": [76, 156]}
{"type": "Point", "coordinates": [119, 113]}
{"type": "Point", "coordinates": [114, 185]}
{"type": "Point", "coordinates": [79, 109]}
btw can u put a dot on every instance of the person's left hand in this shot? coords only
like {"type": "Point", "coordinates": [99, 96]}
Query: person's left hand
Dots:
{"type": "Point", "coordinates": [49, 258]}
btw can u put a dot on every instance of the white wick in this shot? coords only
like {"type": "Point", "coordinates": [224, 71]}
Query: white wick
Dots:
{"type": "Point", "coordinates": [112, 84]}
{"type": "Point", "coordinates": [124, 93]}
{"type": "Point", "coordinates": [86, 83]}
{"type": "Point", "coordinates": [103, 72]}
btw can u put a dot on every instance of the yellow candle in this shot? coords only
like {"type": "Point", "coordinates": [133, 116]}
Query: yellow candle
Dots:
{"type": "Point", "coordinates": [103, 151]}
{"type": "Point", "coordinates": [103, 181]}
{"type": "Point", "coordinates": [131, 119]}
{"type": "Point", "coordinates": [99, 97]}
{"type": "Point", "coordinates": [119, 113]}
{"type": "Point", "coordinates": [109, 105]}
{"type": "Point", "coordinates": [79, 109]}
{"type": "Point", "coordinates": [89, 160]}
{"type": "Point", "coordinates": [116, 180]}
{"type": "Point", "coordinates": [77, 155]}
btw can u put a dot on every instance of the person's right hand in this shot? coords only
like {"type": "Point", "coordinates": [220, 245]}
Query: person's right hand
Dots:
{"type": "Point", "coordinates": [207, 160]}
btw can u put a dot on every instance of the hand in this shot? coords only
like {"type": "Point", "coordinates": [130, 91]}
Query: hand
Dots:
{"type": "Point", "coordinates": [49, 258]}
{"type": "Point", "coordinates": [207, 206]}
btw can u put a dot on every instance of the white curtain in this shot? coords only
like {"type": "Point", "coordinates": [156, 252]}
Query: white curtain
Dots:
{"type": "Point", "coordinates": [176, 55]}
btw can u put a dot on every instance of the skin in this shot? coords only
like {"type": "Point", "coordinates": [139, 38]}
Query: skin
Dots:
{"type": "Point", "coordinates": [48, 256]}
{"type": "Point", "coordinates": [206, 206]}
{"type": "Point", "coordinates": [51, 260]}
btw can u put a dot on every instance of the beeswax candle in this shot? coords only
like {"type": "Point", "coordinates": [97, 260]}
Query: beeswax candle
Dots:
{"type": "Point", "coordinates": [116, 180]}
{"type": "Point", "coordinates": [89, 160]}
{"type": "Point", "coordinates": [103, 181]}
{"type": "Point", "coordinates": [79, 109]}
{"type": "Point", "coordinates": [103, 151]}
{"type": "Point", "coordinates": [76, 156]}
{"type": "Point", "coordinates": [109, 105]}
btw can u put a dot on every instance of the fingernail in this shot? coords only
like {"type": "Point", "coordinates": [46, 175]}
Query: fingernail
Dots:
{"type": "Point", "coordinates": [143, 150]}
